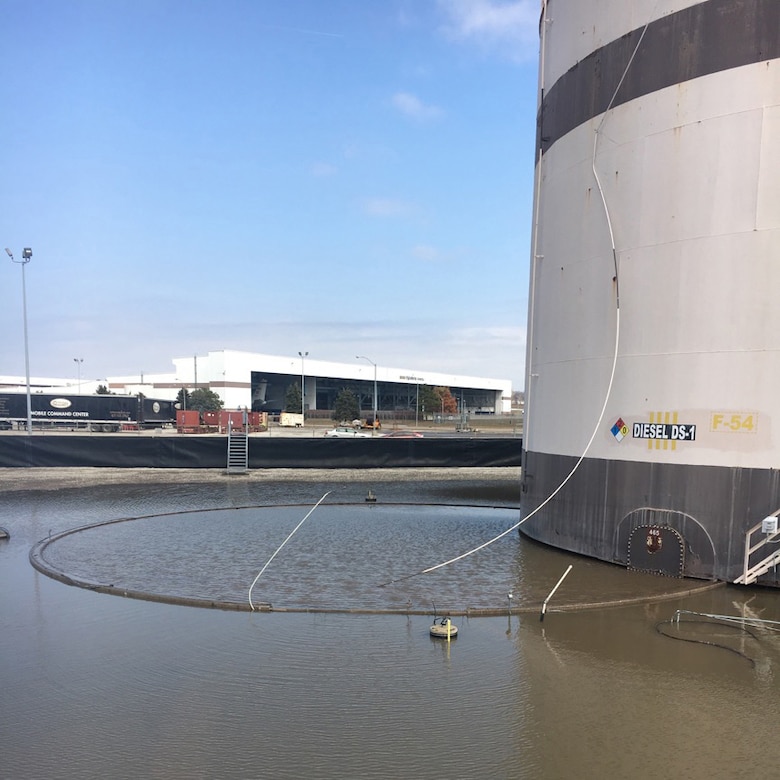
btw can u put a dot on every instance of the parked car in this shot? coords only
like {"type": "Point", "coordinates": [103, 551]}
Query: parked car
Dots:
{"type": "Point", "coordinates": [345, 432]}
{"type": "Point", "coordinates": [402, 435]}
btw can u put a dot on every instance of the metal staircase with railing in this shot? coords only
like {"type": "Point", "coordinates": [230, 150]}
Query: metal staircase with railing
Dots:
{"type": "Point", "coordinates": [759, 556]}
{"type": "Point", "coordinates": [238, 448]}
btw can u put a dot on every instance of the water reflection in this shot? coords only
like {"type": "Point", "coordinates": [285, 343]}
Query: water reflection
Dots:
{"type": "Point", "coordinates": [339, 559]}
{"type": "Point", "coordinates": [96, 686]}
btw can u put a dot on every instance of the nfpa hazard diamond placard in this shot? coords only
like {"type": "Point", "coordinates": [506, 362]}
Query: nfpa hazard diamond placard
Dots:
{"type": "Point", "coordinates": [619, 429]}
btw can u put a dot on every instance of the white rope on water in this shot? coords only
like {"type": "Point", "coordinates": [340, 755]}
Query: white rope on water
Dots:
{"type": "Point", "coordinates": [278, 549]}
{"type": "Point", "coordinates": [615, 352]}
{"type": "Point", "coordinates": [560, 487]}
{"type": "Point", "coordinates": [769, 625]}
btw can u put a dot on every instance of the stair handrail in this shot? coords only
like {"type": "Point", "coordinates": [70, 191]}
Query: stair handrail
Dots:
{"type": "Point", "coordinates": [747, 571]}
{"type": "Point", "coordinates": [238, 437]}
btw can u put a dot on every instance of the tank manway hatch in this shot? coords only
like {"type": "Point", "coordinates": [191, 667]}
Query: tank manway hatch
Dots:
{"type": "Point", "coordinates": [656, 549]}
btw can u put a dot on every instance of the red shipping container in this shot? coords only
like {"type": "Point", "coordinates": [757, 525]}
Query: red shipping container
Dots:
{"type": "Point", "coordinates": [187, 421]}
{"type": "Point", "coordinates": [187, 418]}
{"type": "Point", "coordinates": [225, 417]}
{"type": "Point", "coordinates": [211, 418]}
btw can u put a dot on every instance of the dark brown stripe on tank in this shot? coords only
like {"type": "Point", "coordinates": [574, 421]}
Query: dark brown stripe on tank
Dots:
{"type": "Point", "coordinates": [706, 38]}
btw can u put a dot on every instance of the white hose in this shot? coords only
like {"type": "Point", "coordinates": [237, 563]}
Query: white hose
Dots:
{"type": "Point", "coordinates": [608, 394]}
{"type": "Point", "coordinates": [280, 547]}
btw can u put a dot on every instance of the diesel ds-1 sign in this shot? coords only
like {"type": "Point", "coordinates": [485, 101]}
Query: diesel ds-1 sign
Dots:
{"type": "Point", "coordinates": [670, 431]}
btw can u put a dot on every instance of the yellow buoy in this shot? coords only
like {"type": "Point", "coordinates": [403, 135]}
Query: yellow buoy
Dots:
{"type": "Point", "coordinates": [444, 629]}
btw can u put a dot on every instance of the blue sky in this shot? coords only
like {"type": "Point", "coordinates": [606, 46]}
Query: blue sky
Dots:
{"type": "Point", "coordinates": [342, 177]}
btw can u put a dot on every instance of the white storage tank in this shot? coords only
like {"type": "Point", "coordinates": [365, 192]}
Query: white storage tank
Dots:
{"type": "Point", "coordinates": [653, 360]}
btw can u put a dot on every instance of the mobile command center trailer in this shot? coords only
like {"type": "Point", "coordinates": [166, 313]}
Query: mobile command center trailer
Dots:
{"type": "Point", "coordinates": [652, 430]}
{"type": "Point", "coordinates": [101, 412]}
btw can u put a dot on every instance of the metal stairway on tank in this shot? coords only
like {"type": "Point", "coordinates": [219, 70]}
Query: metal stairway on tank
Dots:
{"type": "Point", "coordinates": [238, 448]}
{"type": "Point", "coordinates": [751, 575]}
{"type": "Point", "coordinates": [767, 534]}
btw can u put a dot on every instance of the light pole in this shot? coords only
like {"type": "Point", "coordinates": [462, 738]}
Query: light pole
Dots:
{"type": "Point", "coordinates": [26, 256]}
{"type": "Point", "coordinates": [303, 357]}
{"type": "Point", "coordinates": [78, 362]}
{"type": "Point", "coordinates": [363, 357]}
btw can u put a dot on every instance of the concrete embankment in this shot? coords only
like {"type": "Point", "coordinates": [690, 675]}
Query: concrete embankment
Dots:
{"type": "Point", "coordinates": [43, 479]}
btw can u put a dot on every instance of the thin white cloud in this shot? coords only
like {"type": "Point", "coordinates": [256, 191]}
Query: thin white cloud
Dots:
{"type": "Point", "coordinates": [411, 106]}
{"type": "Point", "coordinates": [510, 29]}
{"type": "Point", "coordinates": [321, 169]}
{"type": "Point", "coordinates": [427, 254]}
{"type": "Point", "coordinates": [386, 207]}
{"type": "Point", "coordinates": [303, 31]}
{"type": "Point", "coordinates": [496, 351]}
{"type": "Point", "coordinates": [497, 335]}
{"type": "Point", "coordinates": [359, 150]}
{"type": "Point", "coordinates": [486, 350]}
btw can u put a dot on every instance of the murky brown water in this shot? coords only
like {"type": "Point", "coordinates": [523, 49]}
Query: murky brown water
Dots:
{"type": "Point", "coordinates": [97, 686]}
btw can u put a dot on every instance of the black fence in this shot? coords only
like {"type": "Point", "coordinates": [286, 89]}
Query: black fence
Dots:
{"type": "Point", "coordinates": [210, 452]}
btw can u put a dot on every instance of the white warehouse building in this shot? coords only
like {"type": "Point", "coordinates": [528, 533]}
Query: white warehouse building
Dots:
{"type": "Point", "coordinates": [259, 382]}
